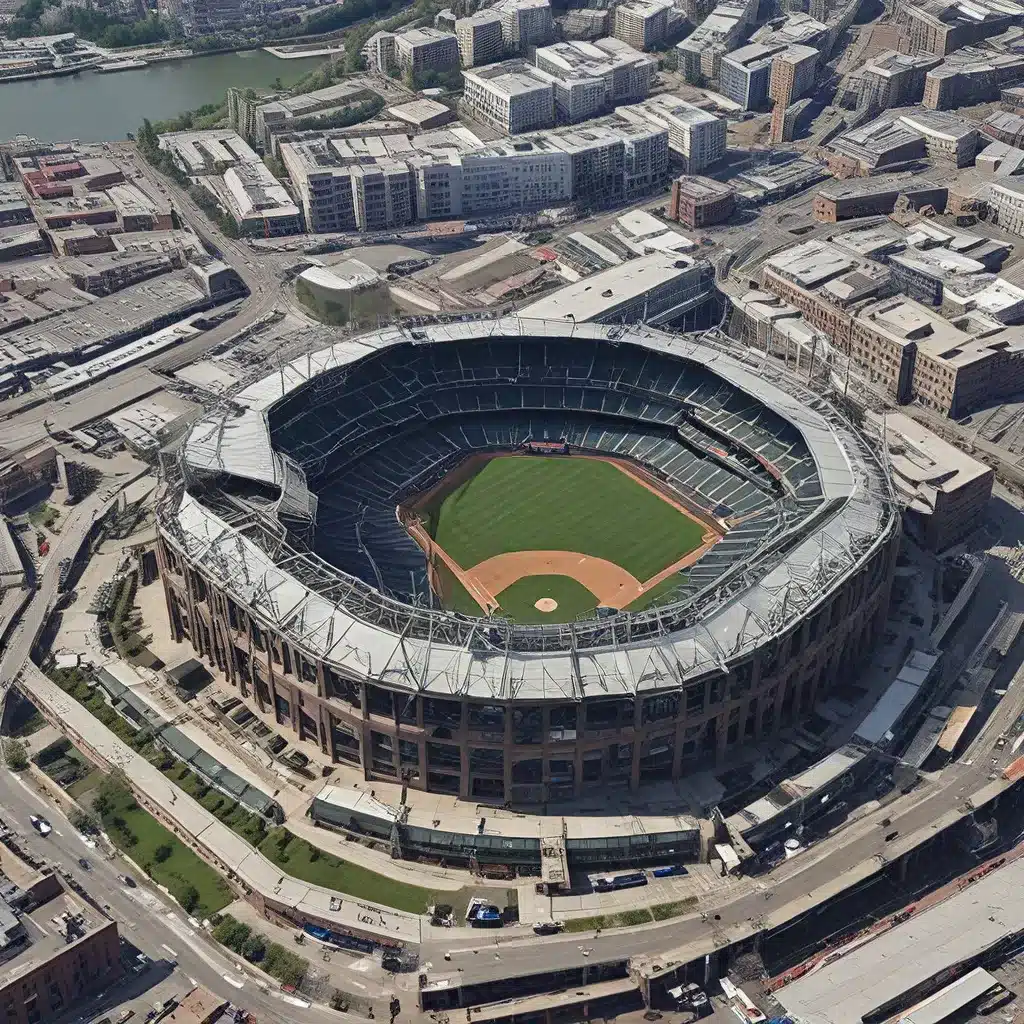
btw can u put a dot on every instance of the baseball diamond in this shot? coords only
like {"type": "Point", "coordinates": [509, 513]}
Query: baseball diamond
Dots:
{"type": "Point", "coordinates": [398, 546]}
{"type": "Point", "coordinates": [520, 519]}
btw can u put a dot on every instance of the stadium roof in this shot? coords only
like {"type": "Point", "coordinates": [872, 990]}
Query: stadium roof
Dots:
{"type": "Point", "coordinates": [358, 630]}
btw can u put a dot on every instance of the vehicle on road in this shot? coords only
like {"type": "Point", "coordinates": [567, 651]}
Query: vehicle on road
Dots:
{"type": "Point", "coordinates": [41, 825]}
{"type": "Point", "coordinates": [548, 927]}
{"type": "Point", "coordinates": [611, 883]}
{"type": "Point", "coordinates": [127, 880]}
{"type": "Point", "coordinates": [83, 863]}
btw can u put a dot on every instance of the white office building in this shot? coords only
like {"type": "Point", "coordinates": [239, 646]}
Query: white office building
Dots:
{"type": "Point", "coordinates": [512, 97]}
{"type": "Point", "coordinates": [479, 38]}
{"type": "Point", "coordinates": [592, 78]}
{"type": "Point", "coordinates": [695, 137]}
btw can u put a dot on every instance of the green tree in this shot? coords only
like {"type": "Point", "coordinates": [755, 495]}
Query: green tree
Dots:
{"type": "Point", "coordinates": [162, 852]}
{"type": "Point", "coordinates": [14, 754]}
{"type": "Point", "coordinates": [190, 898]}
{"type": "Point", "coordinates": [255, 948]}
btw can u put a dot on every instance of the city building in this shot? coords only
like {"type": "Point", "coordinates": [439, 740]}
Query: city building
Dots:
{"type": "Point", "coordinates": [423, 114]}
{"type": "Point", "coordinates": [948, 139]}
{"type": "Point", "coordinates": [744, 75]}
{"type": "Point", "coordinates": [892, 142]}
{"type": "Point", "coordinates": [23, 472]}
{"type": "Point", "coordinates": [208, 152]}
{"type": "Point", "coordinates": [1005, 126]}
{"type": "Point", "coordinates": [585, 23]}
{"type": "Point", "coordinates": [837, 202]}
{"type": "Point", "coordinates": [695, 137]}
{"type": "Point", "coordinates": [58, 951]}
{"type": "Point", "coordinates": [379, 52]}
{"type": "Point", "coordinates": [592, 78]}
{"type": "Point", "coordinates": [642, 24]}
{"type": "Point", "coordinates": [942, 26]}
{"type": "Point", "coordinates": [208, 17]}
{"type": "Point", "coordinates": [698, 202]}
{"type": "Point", "coordinates": [479, 38]}
{"type": "Point", "coordinates": [1006, 204]}
{"type": "Point", "coordinates": [945, 490]}
{"type": "Point", "coordinates": [891, 79]}
{"type": "Point", "coordinates": [256, 201]}
{"type": "Point", "coordinates": [912, 351]}
{"type": "Point", "coordinates": [797, 29]}
{"type": "Point", "coordinates": [419, 50]}
{"type": "Point", "coordinates": [513, 97]}
{"type": "Point", "coordinates": [793, 73]}
{"type": "Point", "coordinates": [699, 55]}
{"type": "Point", "coordinates": [525, 23]}
{"type": "Point", "coordinates": [259, 120]}
{"type": "Point", "coordinates": [969, 76]}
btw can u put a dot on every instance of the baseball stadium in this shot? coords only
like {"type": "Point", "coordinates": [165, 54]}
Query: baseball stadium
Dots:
{"type": "Point", "coordinates": [509, 559]}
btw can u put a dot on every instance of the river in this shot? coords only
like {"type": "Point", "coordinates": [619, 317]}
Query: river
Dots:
{"type": "Point", "coordinates": [101, 108]}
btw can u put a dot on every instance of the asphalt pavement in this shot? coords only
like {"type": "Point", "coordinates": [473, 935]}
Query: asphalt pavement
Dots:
{"type": "Point", "coordinates": [180, 951]}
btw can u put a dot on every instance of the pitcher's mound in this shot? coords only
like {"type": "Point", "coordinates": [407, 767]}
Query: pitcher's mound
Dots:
{"type": "Point", "coordinates": [545, 604]}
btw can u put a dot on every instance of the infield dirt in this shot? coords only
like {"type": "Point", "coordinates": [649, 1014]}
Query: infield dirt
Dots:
{"type": "Point", "coordinates": [496, 520]}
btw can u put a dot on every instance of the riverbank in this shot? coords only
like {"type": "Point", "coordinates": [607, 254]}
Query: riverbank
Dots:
{"type": "Point", "coordinates": [105, 107]}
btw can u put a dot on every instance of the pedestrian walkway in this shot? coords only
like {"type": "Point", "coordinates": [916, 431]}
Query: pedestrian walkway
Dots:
{"type": "Point", "coordinates": [217, 843]}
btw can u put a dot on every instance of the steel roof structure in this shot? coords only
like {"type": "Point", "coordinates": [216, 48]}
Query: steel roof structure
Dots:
{"type": "Point", "coordinates": [366, 634]}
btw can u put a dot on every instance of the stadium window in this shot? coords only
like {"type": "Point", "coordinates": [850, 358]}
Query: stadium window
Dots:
{"type": "Point", "coordinates": [443, 755]}
{"type": "Point", "coordinates": [527, 771]}
{"type": "Point", "coordinates": [344, 689]}
{"type": "Point", "coordinates": [694, 697]}
{"type": "Point", "coordinates": [409, 755]}
{"type": "Point", "coordinates": [665, 706]}
{"type": "Point", "coordinates": [441, 712]}
{"type": "Point", "coordinates": [527, 725]}
{"type": "Point", "coordinates": [379, 702]}
{"type": "Point", "coordinates": [486, 762]}
{"type": "Point", "coordinates": [487, 717]}
{"type": "Point", "coordinates": [562, 723]}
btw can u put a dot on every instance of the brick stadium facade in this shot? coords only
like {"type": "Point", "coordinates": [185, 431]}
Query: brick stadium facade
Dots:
{"type": "Point", "coordinates": [514, 742]}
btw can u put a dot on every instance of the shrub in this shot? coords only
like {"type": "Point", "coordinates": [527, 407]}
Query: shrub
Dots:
{"type": "Point", "coordinates": [162, 852]}
{"type": "Point", "coordinates": [190, 898]}
{"type": "Point", "coordinates": [255, 948]}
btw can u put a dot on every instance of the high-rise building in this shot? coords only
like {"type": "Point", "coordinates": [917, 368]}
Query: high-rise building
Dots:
{"type": "Point", "coordinates": [525, 23]}
{"type": "Point", "coordinates": [744, 74]}
{"type": "Point", "coordinates": [418, 50]}
{"type": "Point", "coordinates": [591, 78]}
{"type": "Point", "coordinates": [695, 137]}
{"type": "Point", "coordinates": [513, 97]}
{"type": "Point", "coordinates": [942, 26]}
{"type": "Point", "coordinates": [643, 24]}
{"type": "Point", "coordinates": [479, 38]}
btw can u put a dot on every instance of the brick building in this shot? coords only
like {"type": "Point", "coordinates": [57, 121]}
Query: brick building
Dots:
{"type": "Point", "coordinates": [698, 202]}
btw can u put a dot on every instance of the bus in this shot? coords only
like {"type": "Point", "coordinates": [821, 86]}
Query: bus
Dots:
{"type": "Point", "coordinates": [610, 883]}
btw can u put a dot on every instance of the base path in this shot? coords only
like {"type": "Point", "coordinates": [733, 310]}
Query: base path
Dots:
{"type": "Point", "coordinates": [608, 582]}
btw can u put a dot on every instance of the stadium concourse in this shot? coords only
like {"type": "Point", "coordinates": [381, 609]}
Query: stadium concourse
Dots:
{"type": "Point", "coordinates": [285, 563]}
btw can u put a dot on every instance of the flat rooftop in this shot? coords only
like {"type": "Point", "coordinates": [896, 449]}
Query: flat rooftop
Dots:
{"type": "Point", "coordinates": [843, 991]}
{"type": "Point", "coordinates": [595, 295]}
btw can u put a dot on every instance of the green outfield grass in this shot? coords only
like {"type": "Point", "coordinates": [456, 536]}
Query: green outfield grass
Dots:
{"type": "Point", "coordinates": [517, 601]}
{"type": "Point", "coordinates": [523, 503]}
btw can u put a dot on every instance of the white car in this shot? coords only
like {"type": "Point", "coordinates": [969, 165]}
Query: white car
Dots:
{"type": "Point", "coordinates": [41, 825]}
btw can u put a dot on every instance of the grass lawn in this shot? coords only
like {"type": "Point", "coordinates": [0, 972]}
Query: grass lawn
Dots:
{"type": "Point", "coordinates": [660, 593]}
{"type": "Point", "coordinates": [156, 850]}
{"type": "Point", "coordinates": [517, 601]}
{"type": "Point", "coordinates": [303, 861]}
{"type": "Point", "coordinates": [523, 503]}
